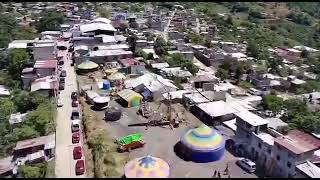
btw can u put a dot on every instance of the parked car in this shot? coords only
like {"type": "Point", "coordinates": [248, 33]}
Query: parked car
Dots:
{"type": "Point", "coordinates": [60, 68]}
{"type": "Point", "coordinates": [75, 137]}
{"type": "Point", "coordinates": [75, 125]}
{"type": "Point", "coordinates": [80, 167]}
{"type": "Point", "coordinates": [130, 142]}
{"type": "Point", "coordinates": [59, 103]}
{"type": "Point", "coordinates": [74, 96]}
{"type": "Point", "coordinates": [247, 164]}
{"type": "Point", "coordinates": [77, 152]}
{"type": "Point", "coordinates": [62, 80]}
{"type": "Point", "coordinates": [63, 73]}
{"type": "Point", "coordinates": [75, 103]}
{"type": "Point", "coordinates": [61, 86]}
{"type": "Point", "coordinates": [61, 62]}
{"type": "Point", "coordinates": [75, 114]}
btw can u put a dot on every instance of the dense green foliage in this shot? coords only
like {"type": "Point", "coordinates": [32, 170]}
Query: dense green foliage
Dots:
{"type": "Point", "coordinates": [17, 59]}
{"type": "Point", "coordinates": [33, 171]}
{"type": "Point", "coordinates": [50, 21]}
{"type": "Point", "coordinates": [298, 116]}
{"type": "Point", "coordinates": [104, 12]}
{"type": "Point", "coordinates": [178, 60]}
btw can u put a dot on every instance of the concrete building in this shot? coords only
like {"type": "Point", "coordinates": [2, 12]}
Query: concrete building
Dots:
{"type": "Point", "coordinates": [44, 51]}
{"type": "Point", "coordinates": [213, 113]}
{"type": "Point", "coordinates": [291, 150]}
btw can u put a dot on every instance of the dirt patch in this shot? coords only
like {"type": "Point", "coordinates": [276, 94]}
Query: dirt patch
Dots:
{"type": "Point", "coordinates": [104, 159]}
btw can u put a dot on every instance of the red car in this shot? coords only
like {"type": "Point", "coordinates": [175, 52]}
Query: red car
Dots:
{"type": "Point", "coordinates": [75, 103]}
{"type": "Point", "coordinates": [75, 137]}
{"type": "Point", "coordinates": [77, 152]}
{"type": "Point", "coordinates": [80, 167]}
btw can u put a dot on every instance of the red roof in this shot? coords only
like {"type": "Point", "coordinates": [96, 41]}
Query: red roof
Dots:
{"type": "Point", "coordinates": [131, 62]}
{"type": "Point", "coordinates": [47, 64]}
{"type": "Point", "coordinates": [298, 142]}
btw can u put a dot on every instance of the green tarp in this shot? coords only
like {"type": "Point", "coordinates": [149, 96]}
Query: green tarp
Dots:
{"type": "Point", "coordinates": [130, 138]}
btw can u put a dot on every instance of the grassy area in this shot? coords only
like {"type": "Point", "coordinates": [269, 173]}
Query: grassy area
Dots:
{"type": "Point", "coordinates": [106, 161]}
{"type": "Point", "coordinates": [245, 85]}
{"type": "Point", "coordinates": [50, 171]}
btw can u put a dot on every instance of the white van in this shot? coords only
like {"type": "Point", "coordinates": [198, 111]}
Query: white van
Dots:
{"type": "Point", "coordinates": [247, 164]}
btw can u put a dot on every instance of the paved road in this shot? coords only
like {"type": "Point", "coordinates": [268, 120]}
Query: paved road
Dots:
{"type": "Point", "coordinates": [164, 34]}
{"type": "Point", "coordinates": [65, 165]}
{"type": "Point", "coordinates": [197, 26]}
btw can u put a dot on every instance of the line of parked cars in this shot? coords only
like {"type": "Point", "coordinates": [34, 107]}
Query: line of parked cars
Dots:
{"type": "Point", "coordinates": [75, 128]}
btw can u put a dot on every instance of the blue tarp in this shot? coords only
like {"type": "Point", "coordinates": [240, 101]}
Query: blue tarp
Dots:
{"type": "Point", "coordinates": [146, 94]}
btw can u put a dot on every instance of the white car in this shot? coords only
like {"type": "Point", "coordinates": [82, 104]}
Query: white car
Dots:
{"type": "Point", "coordinates": [247, 164]}
{"type": "Point", "coordinates": [59, 103]}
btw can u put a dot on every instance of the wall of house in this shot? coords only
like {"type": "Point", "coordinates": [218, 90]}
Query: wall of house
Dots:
{"type": "Point", "coordinates": [285, 161]}
{"type": "Point", "coordinates": [43, 72]}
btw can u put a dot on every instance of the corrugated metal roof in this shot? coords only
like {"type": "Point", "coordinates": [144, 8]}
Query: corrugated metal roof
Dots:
{"type": "Point", "coordinates": [46, 64]}
{"type": "Point", "coordinates": [298, 142]}
{"type": "Point", "coordinates": [115, 52]}
{"type": "Point", "coordinates": [96, 26]}
{"type": "Point", "coordinates": [128, 94]}
{"type": "Point", "coordinates": [35, 142]}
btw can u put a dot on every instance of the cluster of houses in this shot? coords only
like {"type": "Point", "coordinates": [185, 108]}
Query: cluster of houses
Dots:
{"type": "Point", "coordinates": [98, 41]}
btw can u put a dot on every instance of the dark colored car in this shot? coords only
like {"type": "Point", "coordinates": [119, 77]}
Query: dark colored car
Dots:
{"type": "Point", "coordinates": [75, 137]}
{"type": "Point", "coordinates": [62, 80]}
{"type": "Point", "coordinates": [77, 152]}
{"type": "Point", "coordinates": [63, 73]}
{"type": "Point", "coordinates": [61, 62]}
{"type": "Point", "coordinates": [74, 96]}
{"type": "Point", "coordinates": [75, 103]}
{"type": "Point", "coordinates": [80, 167]}
{"type": "Point", "coordinates": [75, 114]}
{"type": "Point", "coordinates": [61, 86]}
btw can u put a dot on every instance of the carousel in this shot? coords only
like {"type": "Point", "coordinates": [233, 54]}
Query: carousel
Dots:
{"type": "Point", "coordinates": [203, 144]}
{"type": "Point", "coordinates": [147, 167]}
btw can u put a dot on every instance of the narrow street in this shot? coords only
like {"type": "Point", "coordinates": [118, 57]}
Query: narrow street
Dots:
{"type": "Point", "coordinates": [165, 31]}
{"type": "Point", "coordinates": [65, 165]}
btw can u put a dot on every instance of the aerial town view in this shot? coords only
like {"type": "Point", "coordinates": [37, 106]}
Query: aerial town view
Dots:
{"type": "Point", "coordinates": [160, 89]}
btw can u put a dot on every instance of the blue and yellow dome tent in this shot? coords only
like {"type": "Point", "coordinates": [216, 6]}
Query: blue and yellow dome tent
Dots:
{"type": "Point", "coordinates": [203, 144]}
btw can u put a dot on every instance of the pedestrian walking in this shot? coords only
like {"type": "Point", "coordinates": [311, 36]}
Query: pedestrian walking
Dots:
{"type": "Point", "coordinates": [227, 169]}
{"type": "Point", "coordinates": [219, 175]}
{"type": "Point", "coordinates": [229, 176]}
{"type": "Point", "coordinates": [215, 173]}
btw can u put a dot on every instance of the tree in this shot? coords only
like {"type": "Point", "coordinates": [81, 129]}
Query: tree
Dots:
{"type": "Point", "coordinates": [28, 101]}
{"type": "Point", "coordinates": [104, 12]}
{"type": "Point", "coordinates": [160, 46]}
{"type": "Point", "coordinates": [229, 20]}
{"type": "Point", "coordinates": [272, 102]}
{"type": "Point", "coordinates": [222, 74]}
{"type": "Point", "coordinates": [25, 132]}
{"type": "Point", "coordinates": [305, 54]}
{"type": "Point", "coordinates": [17, 59]}
{"type": "Point", "coordinates": [42, 119]}
{"type": "Point", "coordinates": [132, 41]}
{"type": "Point", "coordinates": [50, 22]}
{"type": "Point", "coordinates": [33, 171]}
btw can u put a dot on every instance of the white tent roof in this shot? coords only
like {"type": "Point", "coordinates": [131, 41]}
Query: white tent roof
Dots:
{"type": "Point", "coordinates": [103, 20]}
{"type": "Point", "coordinates": [96, 26]}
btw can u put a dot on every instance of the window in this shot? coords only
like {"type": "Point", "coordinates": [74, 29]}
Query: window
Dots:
{"type": "Point", "coordinates": [278, 157]}
{"type": "Point", "coordinates": [289, 164]}
{"type": "Point", "coordinates": [259, 145]}
{"type": "Point", "coordinates": [269, 151]}
{"type": "Point", "coordinates": [248, 125]}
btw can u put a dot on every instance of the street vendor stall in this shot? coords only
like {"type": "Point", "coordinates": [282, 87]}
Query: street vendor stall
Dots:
{"type": "Point", "coordinates": [147, 167]}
